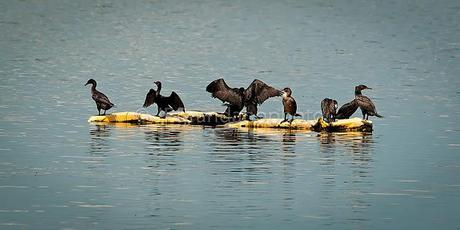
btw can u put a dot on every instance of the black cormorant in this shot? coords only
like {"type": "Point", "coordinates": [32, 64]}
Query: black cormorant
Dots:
{"type": "Point", "coordinates": [237, 98]}
{"type": "Point", "coordinates": [329, 109]}
{"type": "Point", "coordinates": [102, 101]}
{"type": "Point", "coordinates": [347, 110]}
{"type": "Point", "coordinates": [365, 104]}
{"type": "Point", "coordinates": [163, 103]}
{"type": "Point", "coordinates": [290, 106]}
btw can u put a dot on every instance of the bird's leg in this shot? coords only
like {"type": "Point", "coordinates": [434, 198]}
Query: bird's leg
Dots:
{"type": "Point", "coordinates": [104, 112]}
{"type": "Point", "coordinates": [99, 111]}
{"type": "Point", "coordinates": [367, 116]}
{"type": "Point", "coordinates": [158, 111]}
{"type": "Point", "coordinates": [285, 114]}
{"type": "Point", "coordinates": [290, 121]}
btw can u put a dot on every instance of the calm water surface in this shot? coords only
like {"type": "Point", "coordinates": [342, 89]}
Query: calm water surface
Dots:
{"type": "Point", "coordinates": [59, 172]}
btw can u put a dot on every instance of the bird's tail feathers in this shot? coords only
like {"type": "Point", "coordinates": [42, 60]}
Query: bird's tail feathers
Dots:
{"type": "Point", "coordinates": [297, 115]}
{"type": "Point", "coordinates": [378, 115]}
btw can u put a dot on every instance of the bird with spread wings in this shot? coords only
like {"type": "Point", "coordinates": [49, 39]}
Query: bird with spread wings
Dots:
{"type": "Point", "coordinates": [238, 98]}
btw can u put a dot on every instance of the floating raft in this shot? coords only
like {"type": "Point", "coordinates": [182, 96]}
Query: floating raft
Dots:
{"type": "Point", "coordinates": [204, 118]}
{"type": "Point", "coordinates": [274, 123]}
{"type": "Point", "coordinates": [138, 118]}
{"type": "Point", "coordinates": [189, 117]}
{"type": "Point", "coordinates": [212, 118]}
{"type": "Point", "coordinates": [345, 125]}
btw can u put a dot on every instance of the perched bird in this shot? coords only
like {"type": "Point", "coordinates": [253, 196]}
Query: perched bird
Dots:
{"type": "Point", "coordinates": [365, 104]}
{"type": "Point", "coordinates": [329, 109]}
{"type": "Point", "coordinates": [102, 101]}
{"type": "Point", "coordinates": [290, 106]}
{"type": "Point", "coordinates": [347, 110]}
{"type": "Point", "coordinates": [163, 103]}
{"type": "Point", "coordinates": [238, 98]}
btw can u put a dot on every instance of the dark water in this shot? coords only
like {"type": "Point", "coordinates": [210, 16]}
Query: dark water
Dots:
{"type": "Point", "coordinates": [59, 172]}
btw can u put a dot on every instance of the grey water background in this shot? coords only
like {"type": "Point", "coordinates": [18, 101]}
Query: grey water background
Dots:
{"type": "Point", "coordinates": [59, 172]}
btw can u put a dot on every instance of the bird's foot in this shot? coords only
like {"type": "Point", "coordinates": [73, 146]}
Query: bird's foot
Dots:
{"type": "Point", "coordinates": [283, 121]}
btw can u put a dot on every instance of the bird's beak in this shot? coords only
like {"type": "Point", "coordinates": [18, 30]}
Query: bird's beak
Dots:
{"type": "Point", "coordinates": [368, 88]}
{"type": "Point", "coordinates": [86, 84]}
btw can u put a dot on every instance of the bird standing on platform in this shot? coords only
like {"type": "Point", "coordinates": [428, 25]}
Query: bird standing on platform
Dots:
{"type": "Point", "coordinates": [290, 105]}
{"type": "Point", "coordinates": [165, 104]}
{"type": "Point", "coordinates": [102, 101]}
{"type": "Point", "coordinates": [329, 109]}
{"type": "Point", "coordinates": [364, 103]}
{"type": "Point", "coordinates": [238, 98]}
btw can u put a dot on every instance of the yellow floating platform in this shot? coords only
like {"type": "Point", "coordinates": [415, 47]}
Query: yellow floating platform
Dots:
{"type": "Point", "coordinates": [203, 118]}
{"type": "Point", "coordinates": [273, 123]}
{"type": "Point", "coordinates": [212, 118]}
{"type": "Point", "coordinates": [345, 125]}
{"type": "Point", "coordinates": [140, 118]}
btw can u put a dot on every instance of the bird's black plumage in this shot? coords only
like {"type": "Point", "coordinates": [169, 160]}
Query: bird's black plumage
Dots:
{"type": "Point", "coordinates": [347, 110]}
{"type": "Point", "coordinates": [232, 96]}
{"type": "Point", "coordinates": [365, 104]}
{"type": "Point", "coordinates": [238, 98]}
{"type": "Point", "coordinates": [102, 101]}
{"type": "Point", "coordinates": [289, 104]}
{"type": "Point", "coordinates": [329, 109]}
{"type": "Point", "coordinates": [166, 104]}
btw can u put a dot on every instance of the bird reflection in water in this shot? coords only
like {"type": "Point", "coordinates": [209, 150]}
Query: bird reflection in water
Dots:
{"type": "Point", "coordinates": [352, 142]}
{"type": "Point", "coordinates": [241, 139]}
{"type": "Point", "coordinates": [99, 133]}
{"type": "Point", "coordinates": [346, 166]}
{"type": "Point", "coordinates": [288, 167]}
{"type": "Point", "coordinates": [242, 153]}
{"type": "Point", "coordinates": [164, 139]}
{"type": "Point", "coordinates": [164, 142]}
{"type": "Point", "coordinates": [288, 142]}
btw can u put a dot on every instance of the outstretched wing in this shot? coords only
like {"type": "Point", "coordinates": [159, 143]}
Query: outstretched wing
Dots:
{"type": "Point", "coordinates": [258, 92]}
{"type": "Point", "coordinates": [150, 98]}
{"type": "Point", "coordinates": [99, 97]}
{"type": "Point", "coordinates": [347, 110]}
{"type": "Point", "coordinates": [218, 88]}
{"type": "Point", "coordinates": [175, 102]}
